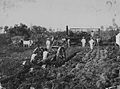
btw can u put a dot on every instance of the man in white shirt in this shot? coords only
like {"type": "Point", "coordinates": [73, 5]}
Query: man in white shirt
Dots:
{"type": "Point", "coordinates": [1, 86]}
{"type": "Point", "coordinates": [52, 39]}
{"type": "Point", "coordinates": [118, 39]}
{"type": "Point", "coordinates": [34, 54]}
{"type": "Point", "coordinates": [33, 57]}
{"type": "Point", "coordinates": [32, 88]}
{"type": "Point", "coordinates": [91, 42]}
{"type": "Point", "coordinates": [68, 42]}
{"type": "Point", "coordinates": [92, 33]}
{"type": "Point", "coordinates": [45, 54]}
{"type": "Point", "coordinates": [48, 43]}
{"type": "Point", "coordinates": [37, 53]}
{"type": "Point", "coordinates": [83, 42]}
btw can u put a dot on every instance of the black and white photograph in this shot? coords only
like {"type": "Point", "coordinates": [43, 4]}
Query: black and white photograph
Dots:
{"type": "Point", "coordinates": [59, 44]}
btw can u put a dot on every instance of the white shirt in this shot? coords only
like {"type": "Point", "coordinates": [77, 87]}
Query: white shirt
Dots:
{"type": "Point", "coordinates": [31, 69]}
{"type": "Point", "coordinates": [68, 41]}
{"type": "Point", "coordinates": [52, 39]}
{"type": "Point", "coordinates": [23, 62]}
{"type": "Point", "coordinates": [32, 88]}
{"type": "Point", "coordinates": [92, 34]}
{"type": "Point", "coordinates": [83, 41]}
{"type": "Point", "coordinates": [91, 41]}
{"type": "Point", "coordinates": [97, 40]}
{"type": "Point", "coordinates": [33, 57]}
{"type": "Point", "coordinates": [45, 53]}
{"type": "Point", "coordinates": [1, 86]}
{"type": "Point", "coordinates": [48, 44]}
{"type": "Point", "coordinates": [43, 66]}
{"type": "Point", "coordinates": [118, 39]}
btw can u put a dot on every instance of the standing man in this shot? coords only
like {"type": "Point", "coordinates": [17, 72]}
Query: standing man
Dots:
{"type": "Point", "coordinates": [91, 42]}
{"type": "Point", "coordinates": [68, 42]}
{"type": "Point", "coordinates": [98, 40]}
{"type": "Point", "coordinates": [83, 42]}
{"type": "Point", "coordinates": [52, 39]}
{"type": "Point", "coordinates": [1, 86]}
{"type": "Point", "coordinates": [48, 43]}
{"type": "Point", "coordinates": [118, 39]}
{"type": "Point", "coordinates": [92, 33]}
{"type": "Point", "coordinates": [34, 54]}
{"type": "Point", "coordinates": [32, 88]}
{"type": "Point", "coordinates": [45, 54]}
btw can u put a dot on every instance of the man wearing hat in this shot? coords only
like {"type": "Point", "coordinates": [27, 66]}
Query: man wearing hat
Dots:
{"type": "Point", "coordinates": [118, 39]}
{"type": "Point", "coordinates": [91, 42]}
{"type": "Point", "coordinates": [83, 42]}
{"type": "Point", "coordinates": [48, 43]}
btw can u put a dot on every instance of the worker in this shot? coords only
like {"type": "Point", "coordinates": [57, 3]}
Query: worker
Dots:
{"type": "Point", "coordinates": [31, 69]}
{"type": "Point", "coordinates": [83, 42]}
{"type": "Point", "coordinates": [98, 40]}
{"type": "Point", "coordinates": [44, 57]}
{"type": "Point", "coordinates": [37, 53]}
{"type": "Point", "coordinates": [32, 87]}
{"type": "Point", "coordinates": [68, 42]}
{"type": "Point", "coordinates": [48, 43]}
{"type": "Point", "coordinates": [92, 33]}
{"type": "Point", "coordinates": [52, 39]}
{"type": "Point", "coordinates": [91, 42]}
{"type": "Point", "coordinates": [118, 39]}
{"type": "Point", "coordinates": [1, 86]}
{"type": "Point", "coordinates": [45, 54]}
{"type": "Point", "coordinates": [33, 57]}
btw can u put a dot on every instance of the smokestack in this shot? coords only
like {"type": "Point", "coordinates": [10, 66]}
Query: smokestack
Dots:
{"type": "Point", "coordinates": [67, 31]}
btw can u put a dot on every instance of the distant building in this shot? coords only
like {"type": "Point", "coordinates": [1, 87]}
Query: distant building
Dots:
{"type": "Point", "coordinates": [83, 29]}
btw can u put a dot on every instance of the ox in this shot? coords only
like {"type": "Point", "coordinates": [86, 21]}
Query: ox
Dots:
{"type": "Point", "coordinates": [27, 43]}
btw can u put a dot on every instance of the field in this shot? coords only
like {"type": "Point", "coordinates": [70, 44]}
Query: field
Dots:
{"type": "Point", "coordinates": [85, 69]}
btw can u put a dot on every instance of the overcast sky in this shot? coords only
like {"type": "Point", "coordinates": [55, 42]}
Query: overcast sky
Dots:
{"type": "Point", "coordinates": [59, 13]}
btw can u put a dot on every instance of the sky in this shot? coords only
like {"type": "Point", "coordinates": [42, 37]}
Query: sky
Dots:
{"type": "Point", "coordinates": [59, 13]}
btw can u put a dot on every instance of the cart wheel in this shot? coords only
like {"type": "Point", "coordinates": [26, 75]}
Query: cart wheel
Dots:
{"type": "Point", "coordinates": [61, 54]}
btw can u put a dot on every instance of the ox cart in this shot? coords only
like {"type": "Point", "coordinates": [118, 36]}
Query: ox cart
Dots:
{"type": "Point", "coordinates": [56, 56]}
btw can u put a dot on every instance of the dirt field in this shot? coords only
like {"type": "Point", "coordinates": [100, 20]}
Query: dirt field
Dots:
{"type": "Point", "coordinates": [81, 71]}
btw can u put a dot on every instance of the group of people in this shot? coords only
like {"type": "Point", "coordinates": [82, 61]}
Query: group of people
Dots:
{"type": "Point", "coordinates": [42, 52]}
{"type": "Point", "coordinates": [91, 42]}
{"type": "Point", "coordinates": [38, 50]}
